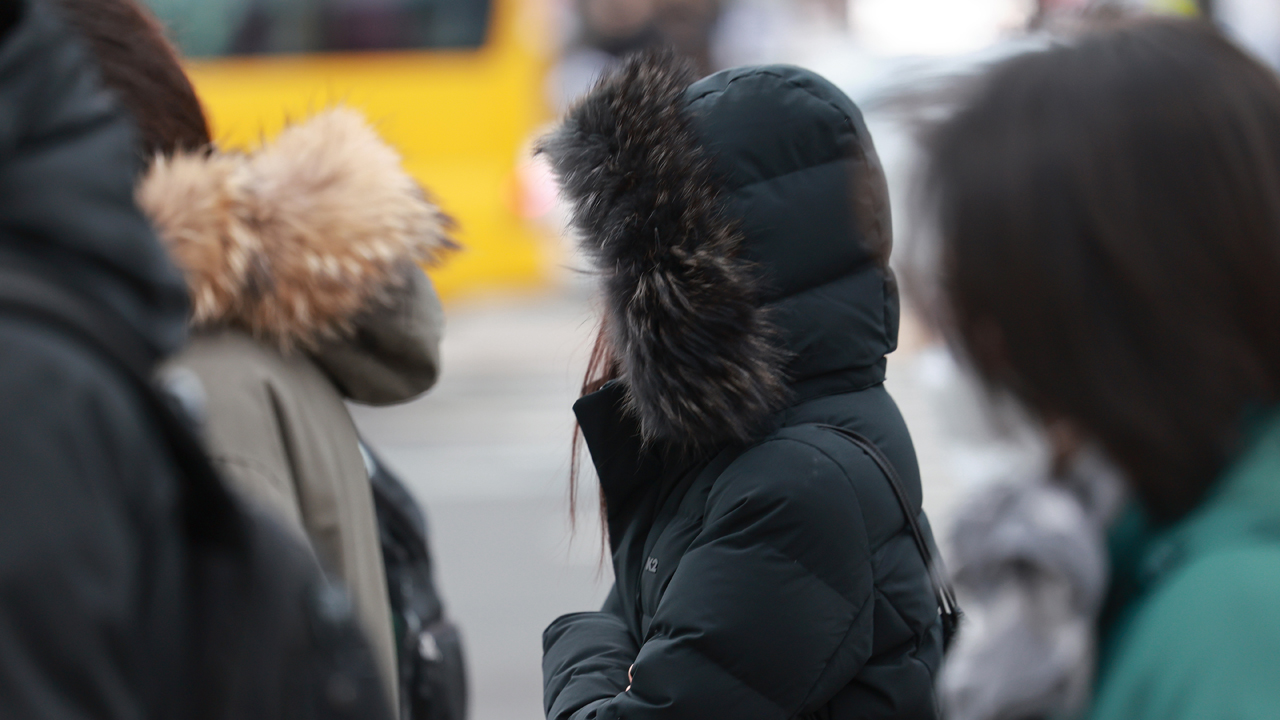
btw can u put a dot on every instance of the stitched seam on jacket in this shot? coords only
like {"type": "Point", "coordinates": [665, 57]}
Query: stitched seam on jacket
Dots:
{"type": "Point", "coordinates": [866, 607]}
{"type": "Point", "coordinates": [870, 564]}
{"type": "Point", "coordinates": [741, 680]}
{"type": "Point", "coordinates": [911, 645]}
{"type": "Point", "coordinates": [917, 637]}
{"type": "Point", "coordinates": [797, 561]}
{"type": "Point", "coordinates": [788, 173]}
{"type": "Point", "coordinates": [859, 609]}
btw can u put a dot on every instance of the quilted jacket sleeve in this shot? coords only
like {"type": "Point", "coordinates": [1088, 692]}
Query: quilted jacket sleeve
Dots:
{"type": "Point", "coordinates": [586, 657]}
{"type": "Point", "coordinates": [770, 610]}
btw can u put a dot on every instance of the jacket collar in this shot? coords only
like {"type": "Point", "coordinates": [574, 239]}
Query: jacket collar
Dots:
{"type": "Point", "coordinates": [1242, 508]}
{"type": "Point", "coordinates": [624, 462]}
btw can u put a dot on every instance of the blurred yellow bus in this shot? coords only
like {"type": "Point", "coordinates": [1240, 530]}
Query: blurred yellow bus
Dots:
{"type": "Point", "coordinates": [456, 85]}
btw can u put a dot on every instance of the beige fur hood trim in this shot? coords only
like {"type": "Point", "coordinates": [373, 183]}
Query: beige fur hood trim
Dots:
{"type": "Point", "coordinates": [294, 241]}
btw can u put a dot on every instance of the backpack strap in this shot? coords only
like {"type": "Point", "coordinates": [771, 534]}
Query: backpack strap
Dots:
{"type": "Point", "coordinates": [945, 595]}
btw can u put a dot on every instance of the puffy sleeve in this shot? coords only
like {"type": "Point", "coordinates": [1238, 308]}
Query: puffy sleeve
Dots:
{"type": "Point", "coordinates": [769, 612]}
{"type": "Point", "coordinates": [585, 661]}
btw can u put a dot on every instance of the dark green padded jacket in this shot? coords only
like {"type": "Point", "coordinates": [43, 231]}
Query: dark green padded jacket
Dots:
{"type": "Point", "coordinates": [763, 567]}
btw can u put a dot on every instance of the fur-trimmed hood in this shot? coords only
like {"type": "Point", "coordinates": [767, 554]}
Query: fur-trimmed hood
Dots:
{"type": "Point", "coordinates": [740, 224]}
{"type": "Point", "coordinates": [312, 243]}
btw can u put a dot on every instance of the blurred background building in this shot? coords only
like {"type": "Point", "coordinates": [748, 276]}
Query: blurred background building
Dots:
{"type": "Point", "coordinates": [462, 88]}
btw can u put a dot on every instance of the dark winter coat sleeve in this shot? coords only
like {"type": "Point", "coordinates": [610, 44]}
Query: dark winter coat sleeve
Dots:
{"type": "Point", "coordinates": [585, 662]}
{"type": "Point", "coordinates": [769, 613]}
{"type": "Point", "coordinates": [89, 558]}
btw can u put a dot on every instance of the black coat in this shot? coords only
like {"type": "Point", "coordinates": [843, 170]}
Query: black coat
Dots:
{"type": "Point", "coordinates": [763, 566]}
{"type": "Point", "coordinates": [91, 550]}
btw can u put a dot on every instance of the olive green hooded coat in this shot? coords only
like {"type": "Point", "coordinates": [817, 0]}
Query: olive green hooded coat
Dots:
{"type": "Point", "coordinates": [302, 261]}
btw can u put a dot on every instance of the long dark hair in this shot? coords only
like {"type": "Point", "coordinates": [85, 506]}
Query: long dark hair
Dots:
{"type": "Point", "coordinates": [142, 67]}
{"type": "Point", "coordinates": [602, 368]}
{"type": "Point", "coordinates": [1109, 215]}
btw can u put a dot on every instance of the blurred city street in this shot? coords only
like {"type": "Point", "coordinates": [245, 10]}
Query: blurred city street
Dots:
{"type": "Point", "coordinates": [228, 221]}
{"type": "Point", "coordinates": [487, 453]}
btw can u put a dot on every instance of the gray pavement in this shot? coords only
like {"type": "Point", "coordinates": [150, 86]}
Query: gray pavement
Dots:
{"type": "Point", "coordinates": [487, 453]}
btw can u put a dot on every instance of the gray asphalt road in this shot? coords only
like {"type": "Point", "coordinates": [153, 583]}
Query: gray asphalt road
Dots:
{"type": "Point", "coordinates": [487, 452]}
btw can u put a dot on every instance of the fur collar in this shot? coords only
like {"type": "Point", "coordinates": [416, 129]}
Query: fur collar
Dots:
{"type": "Point", "coordinates": [681, 311]}
{"type": "Point", "coordinates": [294, 241]}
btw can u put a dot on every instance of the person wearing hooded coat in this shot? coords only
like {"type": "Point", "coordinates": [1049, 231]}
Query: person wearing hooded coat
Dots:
{"type": "Point", "coordinates": [763, 567]}
{"type": "Point", "coordinates": [302, 262]}
{"type": "Point", "coordinates": [93, 548]}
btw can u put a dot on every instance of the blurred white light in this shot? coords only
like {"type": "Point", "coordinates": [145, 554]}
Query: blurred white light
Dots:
{"type": "Point", "coordinates": [1256, 24]}
{"type": "Point", "coordinates": [934, 27]}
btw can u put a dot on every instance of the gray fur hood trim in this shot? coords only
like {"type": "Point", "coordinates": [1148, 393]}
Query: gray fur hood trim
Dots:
{"type": "Point", "coordinates": [681, 312]}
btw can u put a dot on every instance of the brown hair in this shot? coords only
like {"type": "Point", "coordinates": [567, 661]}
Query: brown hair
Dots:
{"type": "Point", "coordinates": [1109, 215]}
{"type": "Point", "coordinates": [142, 67]}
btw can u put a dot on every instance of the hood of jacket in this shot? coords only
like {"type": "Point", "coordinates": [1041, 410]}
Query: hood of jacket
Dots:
{"type": "Point", "coordinates": [313, 243]}
{"type": "Point", "coordinates": [68, 164]}
{"type": "Point", "coordinates": [741, 227]}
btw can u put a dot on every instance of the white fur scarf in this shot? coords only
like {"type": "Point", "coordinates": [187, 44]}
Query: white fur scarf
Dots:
{"type": "Point", "coordinates": [1031, 568]}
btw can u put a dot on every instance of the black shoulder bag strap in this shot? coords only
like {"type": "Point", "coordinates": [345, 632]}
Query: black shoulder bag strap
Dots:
{"type": "Point", "coordinates": [948, 610]}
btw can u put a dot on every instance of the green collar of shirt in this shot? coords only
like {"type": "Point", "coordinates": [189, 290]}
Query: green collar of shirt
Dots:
{"type": "Point", "coordinates": [1242, 508]}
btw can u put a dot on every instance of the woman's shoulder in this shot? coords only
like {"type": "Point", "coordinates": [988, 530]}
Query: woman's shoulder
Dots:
{"type": "Point", "coordinates": [253, 390]}
{"type": "Point", "coordinates": [817, 474]}
{"type": "Point", "coordinates": [226, 345]}
{"type": "Point", "coordinates": [1203, 644]}
{"type": "Point", "coordinates": [820, 454]}
{"type": "Point", "coordinates": [810, 451]}
{"type": "Point", "coordinates": [802, 467]}
{"type": "Point", "coordinates": [1227, 596]}
{"type": "Point", "coordinates": [231, 360]}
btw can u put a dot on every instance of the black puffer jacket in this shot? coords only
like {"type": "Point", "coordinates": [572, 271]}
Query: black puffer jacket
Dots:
{"type": "Point", "coordinates": [92, 586]}
{"type": "Point", "coordinates": [763, 567]}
